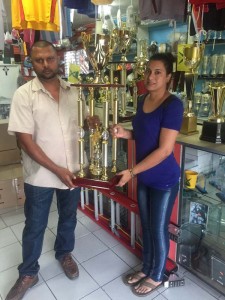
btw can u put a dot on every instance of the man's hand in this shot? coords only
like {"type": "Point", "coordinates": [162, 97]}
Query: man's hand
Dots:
{"type": "Point", "coordinates": [66, 177]}
{"type": "Point", "coordinates": [93, 121]}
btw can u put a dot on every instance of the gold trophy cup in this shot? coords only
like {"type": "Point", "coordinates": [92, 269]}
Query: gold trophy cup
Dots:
{"type": "Point", "coordinates": [98, 53]}
{"type": "Point", "coordinates": [213, 130]}
{"type": "Point", "coordinates": [192, 55]}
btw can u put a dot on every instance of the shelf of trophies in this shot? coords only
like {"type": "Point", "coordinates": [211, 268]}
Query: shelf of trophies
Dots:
{"type": "Point", "coordinates": [202, 214]}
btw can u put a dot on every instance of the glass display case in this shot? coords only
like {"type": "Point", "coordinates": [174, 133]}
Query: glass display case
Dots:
{"type": "Point", "coordinates": [201, 246]}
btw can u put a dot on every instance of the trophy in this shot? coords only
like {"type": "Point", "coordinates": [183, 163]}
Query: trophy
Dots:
{"type": "Point", "coordinates": [98, 53]}
{"type": "Point", "coordinates": [124, 39]}
{"type": "Point", "coordinates": [213, 63]}
{"type": "Point", "coordinates": [221, 65]}
{"type": "Point", "coordinates": [100, 173]}
{"type": "Point", "coordinates": [213, 130]}
{"type": "Point", "coordinates": [192, 55]}
{"type": "Point", "coordinates": [205, 65]}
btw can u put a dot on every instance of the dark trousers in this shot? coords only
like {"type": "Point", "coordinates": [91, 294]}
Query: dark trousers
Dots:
{"type": "Point", "coordinates": [155, 209]}
{"type": "Point", "coordinates": [36, 209]}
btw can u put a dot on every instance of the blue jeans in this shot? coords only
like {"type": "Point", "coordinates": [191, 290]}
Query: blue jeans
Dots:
{"type": "Point", "coordinates": [155, 208]}
{"type": "Point", "coordinates": [36, 209]}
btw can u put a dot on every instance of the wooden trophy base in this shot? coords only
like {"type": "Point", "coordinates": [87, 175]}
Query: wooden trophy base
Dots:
{"type": "Point", "coordinates": [213, 132]}
{"type": "Point", "coordinates": [95, 181]}
{"type": "Point", "coordinates": [189, 125]}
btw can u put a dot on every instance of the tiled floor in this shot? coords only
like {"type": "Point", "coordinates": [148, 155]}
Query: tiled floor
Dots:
{"type": "Point", "coordinates": [101, 258]}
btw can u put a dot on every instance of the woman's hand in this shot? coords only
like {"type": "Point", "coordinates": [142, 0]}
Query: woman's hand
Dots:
{"type": "Point", "coordinates": [117, 131]}
{"type": "Point", "coordinates": [125, 177]}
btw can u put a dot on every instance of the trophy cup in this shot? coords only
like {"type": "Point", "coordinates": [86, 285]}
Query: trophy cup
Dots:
{"type": "Point", "coordinates": [205, 65]}
{"type": "Point", "coordinates": [213, 130]}
{"type": "Point", "coordinates": [124, 38]}
{"type": "Point", "coordinates": [213, 63]}
{"type": "Point", "coordinates": [100, 53]}
{"type": "Point", "coordinates": [221, 65]}
{"type": "Point", "coordinates": [192, 56]}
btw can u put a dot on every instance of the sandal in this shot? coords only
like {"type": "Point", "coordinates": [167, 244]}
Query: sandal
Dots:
{"type": "Point", "coordinates": [133, 276]}
{"type": "Point", "coordinates": [147, 284]}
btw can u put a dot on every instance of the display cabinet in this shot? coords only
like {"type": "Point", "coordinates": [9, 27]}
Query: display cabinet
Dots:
{"type": "Point", "coordinates": [201, 222]}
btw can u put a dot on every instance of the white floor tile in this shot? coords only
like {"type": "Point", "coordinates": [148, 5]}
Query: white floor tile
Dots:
{"type": "Point", "coordinates": [7, 237]}
{"type": "Point", "coordinates": [80, 230]}
{"type": "Point", "coordinates": [89, 223]}
{"type": "Point", "coordinates": [103, 261]}
{"type": "Point", "coordinates": [53, 219]}
{"type": "Point", "coordinates": [66, 289]}
{"type": "Point", "coordinates": [13, 217]}
{"type": "Point", "coordinates": [87, 247]}
{"type": "Point", "coordinates": [40, 291]}
{"type": "Point", "coordinates": [99, 294]}
{"type": "Point", "coordinates": [105, 267]}
{"type": "Point", "coordinates": [106, 238]}
{"type": "Point", "coordinates": [49, 240]}
{"type": "Point", "coordinates": [53, 207]}
{"type": "Point", "coordinates": [18, 230]}
{"type": "Point", "coordinates": [189, 291]}
{"type": "Point", "coordinates": [49, 266]}
{"type": "Point", "coordinates": [131, 259]}
{"type": "Point", "coordinates": [10, 256]}
{"type": "Point", "coordinates": [80, 214]}
{"type": "Point", "coordinates": [2, 224]}
{"type": "Point", "coordinates": [202, 284]}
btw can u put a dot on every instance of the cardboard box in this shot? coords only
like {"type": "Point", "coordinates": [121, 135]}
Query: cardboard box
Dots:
{"type": "Point", "coordinates": [8, 157]}
{"type": "Point", "coordinates": [8, 196]}
{"type": "Point", "coordinates": [11, 186]}
{"type": "Point", "coordinates": [7, 142]}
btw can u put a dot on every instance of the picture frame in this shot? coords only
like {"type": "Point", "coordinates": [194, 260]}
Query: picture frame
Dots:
{"type": "Point", "coordinates": [198, 213]}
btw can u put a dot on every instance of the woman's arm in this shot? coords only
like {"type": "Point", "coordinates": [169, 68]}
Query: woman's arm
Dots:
{"type": "Point", "coordinates": [166, 145]}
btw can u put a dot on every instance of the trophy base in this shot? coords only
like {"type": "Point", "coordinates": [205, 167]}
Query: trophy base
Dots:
{"type": "Point", "coordinates": [213, 132]}
{"type": "Point", "coordinates": [95, 181]}
{"type": "Point", "coordinates": [189, 125]}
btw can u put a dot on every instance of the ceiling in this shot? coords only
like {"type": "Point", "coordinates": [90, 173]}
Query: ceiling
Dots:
{"type": "Point", "coordinates": [80, 19]}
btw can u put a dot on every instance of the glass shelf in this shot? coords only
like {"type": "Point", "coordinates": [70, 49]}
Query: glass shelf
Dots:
{"type": "Point", "coordinates": [202, 217]}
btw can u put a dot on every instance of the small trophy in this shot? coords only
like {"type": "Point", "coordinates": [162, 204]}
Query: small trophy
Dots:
{"type": "Point", "coordinates": [213, 63]}
{"type": "Point", "coordinates": [192, 55]}
{"type": "Point", "coordinates": [213, 130]}
{"type": "Point", "coordinates": [205, 66]}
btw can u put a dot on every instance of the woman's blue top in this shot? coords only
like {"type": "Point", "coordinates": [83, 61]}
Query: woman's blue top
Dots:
{"type": "Point", "coordinates": [146, 128]}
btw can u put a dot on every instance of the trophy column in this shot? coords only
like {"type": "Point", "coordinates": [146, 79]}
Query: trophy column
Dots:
{"type": "Point", "coordinates": [192, 56]}
{"type": "Point", "coordinates": [213, 130]}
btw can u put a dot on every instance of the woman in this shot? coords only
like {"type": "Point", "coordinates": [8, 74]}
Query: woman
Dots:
{"type": "Point", "coordinates": [155, 128]}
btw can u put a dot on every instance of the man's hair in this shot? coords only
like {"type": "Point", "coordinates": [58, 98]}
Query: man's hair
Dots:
{"type": "Point", "coordinates": [42, 44]}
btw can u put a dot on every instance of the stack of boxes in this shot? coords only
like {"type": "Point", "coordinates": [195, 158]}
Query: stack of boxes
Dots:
{"type": "Point", "coordinates": [11, 178]}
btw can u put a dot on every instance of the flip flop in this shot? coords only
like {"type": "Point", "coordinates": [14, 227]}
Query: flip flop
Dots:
{"type": "Point", "coordinates": [147, 284]}
{"type": "Point", "coordinates": [131, 276]}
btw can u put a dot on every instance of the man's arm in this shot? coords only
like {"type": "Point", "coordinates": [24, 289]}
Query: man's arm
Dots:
{"type": "Point", "coordinates": [36, 153]}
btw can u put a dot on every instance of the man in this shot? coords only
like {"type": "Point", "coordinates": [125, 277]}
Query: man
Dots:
{"type": "Point", "coordinates": [44, 118]}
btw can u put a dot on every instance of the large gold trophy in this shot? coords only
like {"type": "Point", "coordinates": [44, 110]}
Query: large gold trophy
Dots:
{"type": "Point", "coordinates": [192, 55]}
{"type": "Point", "coordinates": [213, 130]}
{"type": "Point", "coordinates": [99, 49]}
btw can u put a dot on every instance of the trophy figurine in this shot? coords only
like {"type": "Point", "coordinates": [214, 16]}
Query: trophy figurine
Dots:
{"type": "Point", "coordinates": [213, 130]}
{"type": "Point", "coordinates": [192, 56]}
